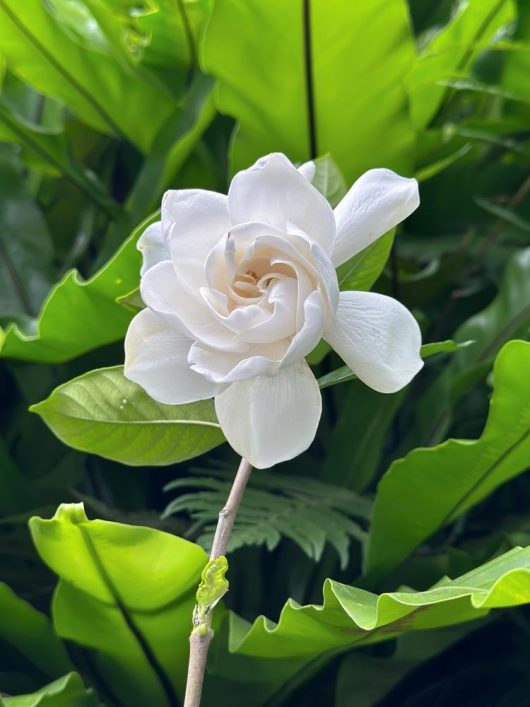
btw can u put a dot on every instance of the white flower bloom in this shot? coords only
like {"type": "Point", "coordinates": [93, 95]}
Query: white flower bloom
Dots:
{"type": "Point", "coordinates": [240, 288]}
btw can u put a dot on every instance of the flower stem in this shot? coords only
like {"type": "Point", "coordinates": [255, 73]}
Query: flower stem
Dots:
{"type": "Point", "coordinates": [200, 637]}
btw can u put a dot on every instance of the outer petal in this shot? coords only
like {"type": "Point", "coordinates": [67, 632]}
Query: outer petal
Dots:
{"type": "Point", "coordinates": [378, 338]}
{"type": "Point", "coordinates": [378, 201]}
{"type": "Point", "coordinates": [274, 191]}
{"type": "Point", "coordinates": [270, 419]}
{"type": "Point", "coordinates": [153, 246]}
{"type": "Point", "coordinates": [308, 170]}
{"type": "Point", "coordinates": [156, 358]}
{"type": "Point", "coordinates": [195, 220]}
{"type": "Point", "coordinates": [224, 367]}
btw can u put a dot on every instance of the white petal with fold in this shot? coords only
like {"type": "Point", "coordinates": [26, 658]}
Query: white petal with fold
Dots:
{"type": "Point", "coordinates": [378, 201]}
{"type": "Point", "coordinates": [378, 338]}
{"type": "Point", "coordinates": [153, 246]}
{"type": "Point", "coordinates": [270, 419]}
{"type": "Point", "coordinates": [275, 192]}
{"type": "Point", "coordinates": [195, 220]}
{"type": "Point", "coordinates": [156, 357]}
{"type": "Point", "coordinates": [163, 292]}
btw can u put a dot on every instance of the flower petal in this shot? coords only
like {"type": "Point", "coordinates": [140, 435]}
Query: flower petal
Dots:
{"type": "Point", "coordinates": [378, 338]}
{"type": "Point", "coordinates": [273, 191]}
{"type": "Point", "coordinates": [226, 367]}
{"type": "Point", "coordinates": [195, 220]}
{"type": "Point", "coordinates": [270, 419]}
{"type": "Point", "coordinates": [378, 201]}
{"type": "Point", "coordinates": [156, 357]}
{"type": "Point", "coordinates": [308, 170]}
{"type": "Point", "coordinates": [153, 246]}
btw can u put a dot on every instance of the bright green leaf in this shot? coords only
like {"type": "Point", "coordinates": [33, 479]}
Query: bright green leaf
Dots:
{"type": "Point", "coordinates": [104, 413]}
{"type": "Point", "coordinates": [30, 633]}
{"type": "Point", "coordinates": [435, 485]}
{"type": "Point", "coordinates": [126, 593]}
{"type": "Point", "coordinates": [39, 49]}
{"type": "Point", "coordinates": [80, 315]}
{"type": "Point", "coordinates": [67, 691]}
{"type": "Point", "coordinates": [348, 85]}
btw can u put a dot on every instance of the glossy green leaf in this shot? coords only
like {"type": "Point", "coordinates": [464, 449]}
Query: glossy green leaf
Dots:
{"type": "Point", "coordinates": [80, 315]}
{"type": "Point", "coordinates": [328, 179]}
{"type": "Point", "coordinates": [67, 691]}
{"type": "Point", "coordinates": [435, 485]}
{"type": "Point", "coordinates": [126, 593]}
{"type": "Point", "coordinates": [26, 252]}
{"type": "Point", "coordinates": [305, 637]}
{"type": "Point", "coordinates": [451, 52]}
{"type": "Point", "coordinates": [104, 413]}
{"type": "Point", "coordinates": [39, 49]}
{"type": "Point", "coordinates": [361, 271]}
{"type": "Point", "coordinates": [31, 634]}
{"type": "Point", "coordinates": [322, 89]}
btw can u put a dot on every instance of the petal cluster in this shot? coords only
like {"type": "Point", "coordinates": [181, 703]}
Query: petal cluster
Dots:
{"type": "Point", "coordinates": [240, 288]}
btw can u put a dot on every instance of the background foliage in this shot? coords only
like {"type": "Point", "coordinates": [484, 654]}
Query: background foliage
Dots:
{"type": "Point", "coordinates": [391, 560]}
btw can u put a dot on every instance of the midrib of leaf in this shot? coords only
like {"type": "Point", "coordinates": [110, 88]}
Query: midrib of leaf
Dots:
{"type": "Point", "coordinates": [513, 323]}
{"type": "Point", "coordinates": [59, 68]}
{"type": "Point", "coordinates": [310, 89]}
{"type": "Point", "coordinates": [484, 477]}
{"type": "Point", "coordinates": [146, 649]}
{"type": "Point", "coordinates": [78, 181]}
{"type": "Point", "coordinates": [17, 282]}
{"type": "Point", "coordinates": [192, 50]}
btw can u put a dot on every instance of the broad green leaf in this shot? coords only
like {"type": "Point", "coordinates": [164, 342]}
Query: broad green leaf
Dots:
{"type": "Point", "coordinates": [81, 315]}
{"type": "Point", "coordinates": [31, 634]}
{"type": "Point", "coordinates": [305, 637]}
{"type": "Point", "coordinates": [451, 52]}
{"type": "Point", "coordinates": [126, 593]}
{"type": "Point", "coordinates": [328, 86]}
{"type": "Point", "coordinates": [67, 691]}
{"type": "Point", "coordinates": [26, 253]}
{"type": "Point", "coordinates": [92, 84]}
{"type": "Point", "coordinates": [436, 485]}
{"type": "Point", "coordinates": [104, 413]}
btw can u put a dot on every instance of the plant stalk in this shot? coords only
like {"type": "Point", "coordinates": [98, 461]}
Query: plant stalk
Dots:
{"type": "Point", "coordinates": [201, 637]}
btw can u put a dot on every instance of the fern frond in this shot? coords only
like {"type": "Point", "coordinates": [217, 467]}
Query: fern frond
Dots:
{"type": "Point", "coordinates": [307, 511]}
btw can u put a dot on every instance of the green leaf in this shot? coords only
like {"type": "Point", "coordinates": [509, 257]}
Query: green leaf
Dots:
{"type": "Point", "coordinates": [30, 633]}
{"type": "Point", "coordinates": [451, 52]}
{"type": "Point", "coordinates": [328, 179]}
{"type": "Point", "coordinates": [90, 82]}
{"type": "Point", "coordinates": [104, 413]}
{"type": "Point", "coordinates": [308, 512]}
{"type": "Point", "coordinates": [436, 485]}
{"type": "Point", "coordinates": [25, 245]}
{"type": "Point", "coordinates": [126, 594]}
{"type": "Point", "coordinates": [81, 315]}
{"type": "Point", "coordinates": [504, 214]}
{"type": "Point", "coordinates": [67, 691]}
{"type": "Point", "coordinates": [298, 98]}
{"type": "Point", "coordinates": [361, 271]}
{"type": "Point", "coordinates": [352, 617]}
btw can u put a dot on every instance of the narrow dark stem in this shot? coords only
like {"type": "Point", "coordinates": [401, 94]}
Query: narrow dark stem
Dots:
{"type": "Point", "coordinates": [17, 282]}
{"type": "Point", "coordinates": [310, 93]}
{"type": "Point", "coordinates": [200, 641]}
{"type": "Point", "coordinates": [192, 50]}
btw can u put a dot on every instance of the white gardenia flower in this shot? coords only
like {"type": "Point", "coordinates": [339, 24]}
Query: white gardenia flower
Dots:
{"type": "Point", "coordinates": [240, 288]}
